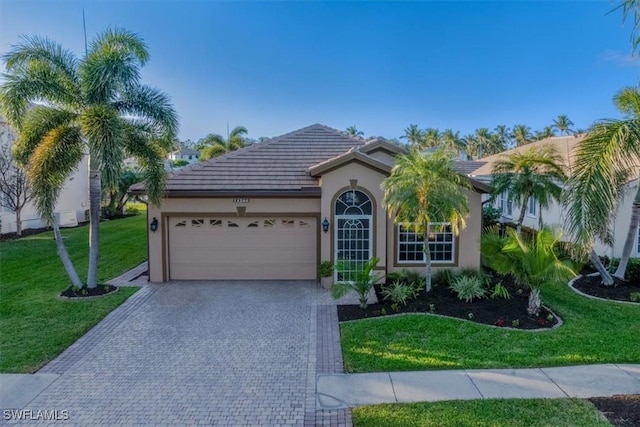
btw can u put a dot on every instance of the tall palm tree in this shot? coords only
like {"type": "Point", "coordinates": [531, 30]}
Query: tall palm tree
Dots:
{"type": "Point", "coordinates": [95, 106]}
{"type": "Point", "coordinates": [414, 135]}
{"type": "Point", "coordinates": [607, 159]}
{"type": "Point", "coordinates": [483, 141]}
{"type": "Point", "coordinates": [432, 138]}
{"type": "Point", "coordinates": [451, 141]}
{"type": "Point", "coordinates": [354, 132]}
{"type": "Point", "coordinates": [215, 145]}
{"type": "Point", "coordinates": [504, 136]}
{"type": "Point", "coordinates": [522, 134]}
{"type": "Point", "coordinates": [563, 125]}
{"type": "Point", "coordinates": [546, 132]}
{"type": "Point", "coordinates": [470, 143]}
{"type": "Point", "coordinates": [631, 7]}
{"type": "Point", "coordinates": [423, 189]}
{"type": "Point", "coordinates": [536, 172]}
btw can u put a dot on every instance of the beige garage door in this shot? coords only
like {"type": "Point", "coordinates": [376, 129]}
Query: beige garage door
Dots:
{"type": "Point", "coordinates": [265, 248]}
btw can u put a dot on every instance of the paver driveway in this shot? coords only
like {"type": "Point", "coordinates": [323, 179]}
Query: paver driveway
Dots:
{"type": "Point", "coordinates": [228, 353]}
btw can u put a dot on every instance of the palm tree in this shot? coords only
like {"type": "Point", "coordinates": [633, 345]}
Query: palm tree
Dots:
{"type": "Point", "coordinates": [532, 263]}
{"type": "Point", "coordinates": [546, 132]}
{"type": "Point", "coordinates": [563, 124]}
{"type": "Point", "coordinates": [354, 132]}
{"type": "Point", "coordinates": [522, 134]}
{"type": "Point", "coordinates": [93, 106]}
{"type": "Point", "coordinates": [432, 138]}
{"type": "Point", "coordinates": [504, 136]}
{"type": "Point", "coordinates": [451, 141]}
{"type": "Point", "coordinates": [214, 145]}
{"type": "Point", "coordinates": [414, 135]}
{"type": "Point", "coordinates": [536, 172]}
{"type": "Point", "coordinates": [423, 189]}
{"type": "Point", "coordinates": [483, 141]}
{"type": "Point", "coordinates": [470, 143]}
{"type": "Point", "coordinates": [607, 160]}
{"type": "Point", "coordinates": [631, 7]}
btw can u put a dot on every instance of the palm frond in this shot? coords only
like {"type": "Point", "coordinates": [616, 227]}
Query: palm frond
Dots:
{"type": "Point", "coordinates": [52, 162]}
{"type": "Point", "coordinates": [150, 156]}
{"type": "Point", "coordinates": [147, 103]}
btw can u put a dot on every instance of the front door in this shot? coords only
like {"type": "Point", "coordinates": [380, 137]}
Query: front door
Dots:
{"type": "Point", "coordinates": [353, 237]}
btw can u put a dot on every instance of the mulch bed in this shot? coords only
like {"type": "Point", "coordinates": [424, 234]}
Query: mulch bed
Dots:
{"type": "Point", "coordinates": [489, 311]}
{"type": "Point", "coordinates": [84, 292]}
{"type": "Point", "coordinates": [620, 291]}
{"type": "Point", "coordinates": [620, 410]}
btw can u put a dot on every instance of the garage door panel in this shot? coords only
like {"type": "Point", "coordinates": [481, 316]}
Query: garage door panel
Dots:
{"type": "Point", "coordinates": [242, 248]}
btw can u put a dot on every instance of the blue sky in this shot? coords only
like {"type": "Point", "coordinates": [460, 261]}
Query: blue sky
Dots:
{"type": "Point", "coordinates": [278, 66]}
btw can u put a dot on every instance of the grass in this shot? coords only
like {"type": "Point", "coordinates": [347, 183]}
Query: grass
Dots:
{"type": "Point", "coordinates": [593, 332]}
{"type": "Point", "coordinates": [480, 413]}
{"type": "Point", "coordinates": [36, 326]}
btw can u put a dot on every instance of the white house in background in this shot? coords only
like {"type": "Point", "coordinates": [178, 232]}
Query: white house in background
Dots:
{"type": "Point", "coordinates": [72, 202]}
{"type": "Point", "coordinates": [186, 154]}
{"type": "Point", "coordinates": [553, 216]}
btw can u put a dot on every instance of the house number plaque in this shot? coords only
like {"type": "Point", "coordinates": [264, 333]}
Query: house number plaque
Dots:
{"type": "Point", "coordinates": [240, 200]}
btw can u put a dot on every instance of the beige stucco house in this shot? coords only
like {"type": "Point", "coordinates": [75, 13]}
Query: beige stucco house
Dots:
{"type": "Point", "coordinates": [274, 210]}
{"type": "Point", "coordinates": [535, 217]}
{"type": "Point", "coordinates": [73, 199]}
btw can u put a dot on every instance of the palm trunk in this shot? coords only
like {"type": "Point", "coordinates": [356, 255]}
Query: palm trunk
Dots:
{"type": "Point", "coordinates": [95, 193]}
{"type": "Point", "coordinates": [534, 305]}
{"type": "Point", "coordinates": [64, 256]}
{"type": "Point", "coordinates": [18, 223]}
{"type": "Point", "coordinates": [427, 257]}
{"type": "Point", "coordinates": [523, 210]}
{"type": "Point", "coordinates": [607, 280]}
{"type": "Point", "coordinates": [631, 237]}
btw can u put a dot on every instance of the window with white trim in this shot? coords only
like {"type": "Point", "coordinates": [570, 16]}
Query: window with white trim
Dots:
{"type": "Point", "coordinates": [441, 244]}
{"type": "Point", "coordinates": [531, 208]}
{"type": "Point", "coordinates": [505, 206]}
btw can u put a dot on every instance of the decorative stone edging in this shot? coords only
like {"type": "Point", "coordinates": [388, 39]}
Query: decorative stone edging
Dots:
{"type": "Point", "coordinates": [115, 291]}
{"type": "Point", "coordinates": [556, 326]}
{"type": "Point", "coordinates": [570, 284]}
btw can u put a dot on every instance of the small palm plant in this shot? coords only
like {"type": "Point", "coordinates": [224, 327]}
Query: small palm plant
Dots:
{"type": "Point", "coordinates": [362, 279]}
{"type": "Point", "coordinates": [533, 263]}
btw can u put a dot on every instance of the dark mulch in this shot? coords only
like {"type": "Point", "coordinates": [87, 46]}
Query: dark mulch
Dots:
{"type": "Point", "coordinates": [620, 410]}
{"type": "Point", "coordinates": [620, 291]}
{"type": "Point", "coordinates": [489, 311]}
{"type": "Point", "coordinates": [85, 292]}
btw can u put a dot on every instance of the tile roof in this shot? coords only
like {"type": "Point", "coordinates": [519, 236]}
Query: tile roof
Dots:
{"type": "Point", "coordinates": [278, 164]}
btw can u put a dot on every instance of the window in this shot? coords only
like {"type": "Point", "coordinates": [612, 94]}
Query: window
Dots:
{"type": "Point", "coordinates": [441, 244]}
{"type": "Point", "coordinates": [253, 224]}
{"type": "Point", "coordinates": [269, 223]}
{"type": "Point", "coordinates": [288, 223]}
{"type": "Point", "coordinates": [505, 206]}
{"type": "Point", "coordinates": [232, 224]}
{"type": "Point", "coordinates": [353, 202]}
{"type": "Point", "coordinates": [531, 209]}
{"type": "Point", "coordinates": [215, 223]}
{"type": "Point", "coordinates": [181, 224]}
{"type": "Point", "coordinates": [190, 157]}
{"type": "Point", "coordinates": [197, 222]}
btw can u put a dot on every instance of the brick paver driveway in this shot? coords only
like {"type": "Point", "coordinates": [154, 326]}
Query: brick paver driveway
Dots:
{"type": "Point", "coordinates": [228, 353]}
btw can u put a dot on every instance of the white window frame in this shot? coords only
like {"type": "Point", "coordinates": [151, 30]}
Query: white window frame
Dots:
{"type": "Point", "coordinates": [506, 207]}
{"type": "Point", "coordinates": [400, 232]}
{"type": "Point", "coordinates": [531, 203]}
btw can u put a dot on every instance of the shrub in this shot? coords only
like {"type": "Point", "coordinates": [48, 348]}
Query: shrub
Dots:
{"type": "Point", "coordinates": [468, 288]}
{"type": "Point", "coordinates": [499, 291]}
{"type": "Point", "coordinates": [412, 276]}
{"type": "Point", "coordinates": [490, 215]}
{"type": "Point", "coordinates": [634, 296]}
{"type": "Point", "coordinates": [443, 277]}
{"type": "Point", "coordinates": [179, 163]}
{"type": "Point", "coordinates": [632, 274]}
{"type": "Point", "coordinates": [473, 272]}
{"type": "Point", "coordinates": [325, 269]}
{"type": "Point", "coordinates": [398, 292]}
{"type": "Point", "coordinates": [361, 282]}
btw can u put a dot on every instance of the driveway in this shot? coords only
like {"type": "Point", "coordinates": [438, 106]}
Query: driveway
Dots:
{"type": "Point", "coordinates": [228, 353]}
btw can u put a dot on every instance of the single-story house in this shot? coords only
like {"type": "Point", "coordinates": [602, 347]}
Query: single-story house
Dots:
{"type": "Point", "coordinates": [275, 209]}
{"type": "Point", "coordinates": [535, 216]}
{"type": "Point", "coordinates": [73, 200]}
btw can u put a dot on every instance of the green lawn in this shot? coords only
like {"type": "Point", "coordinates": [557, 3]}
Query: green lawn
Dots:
{"type": "Point", "coordinates": [480, 413]}
{"type": "Point", "coordinates": [35, 325]}
{"type": "Point", "coordinates": [594, 332]}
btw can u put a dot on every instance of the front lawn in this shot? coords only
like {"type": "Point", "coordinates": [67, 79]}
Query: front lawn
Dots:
{"type": "Point", "coordinates": [593, 332]}
{"type": "Point", "coordinates": [35, 325]}
{"type": "Point", "coordinates": [479, 413]}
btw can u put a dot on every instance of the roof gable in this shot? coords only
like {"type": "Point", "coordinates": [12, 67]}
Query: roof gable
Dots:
{"type": "Point", "coordinates": [353, 155]}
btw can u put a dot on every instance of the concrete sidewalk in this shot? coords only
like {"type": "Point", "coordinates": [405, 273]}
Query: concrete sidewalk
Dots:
{"type": "Point", "coordinates": [348, 390]}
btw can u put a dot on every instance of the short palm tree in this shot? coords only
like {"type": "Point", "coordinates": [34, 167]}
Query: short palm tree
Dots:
{"type": "Point", "coordinates": [536, 172]}
{"type": "Point", "coordinates": [362, 279]}
{"type": "Point", "coordinates": [533, 263]}
{"type": "Point", "coordinates": [214, 145]}
{"type": "Point", "coordinates": [607, 160]}
{"type": "Point", "coordinates": [423, 189]}
{"type": "Point", "coordinates": [93, 106]}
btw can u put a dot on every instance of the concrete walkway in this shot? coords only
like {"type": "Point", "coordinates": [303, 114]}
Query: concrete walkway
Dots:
{"type": "Point", "coordinates": [349, 390]}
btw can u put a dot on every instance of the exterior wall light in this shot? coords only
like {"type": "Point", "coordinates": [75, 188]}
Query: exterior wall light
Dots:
{"type": "Point", "coordinates": [325, 225]}
{"type": "Point", "coordinates": [154, 225]}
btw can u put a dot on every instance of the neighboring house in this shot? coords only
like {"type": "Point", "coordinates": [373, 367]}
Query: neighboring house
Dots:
{"type": "Point", "coordinates": [553, 216]}
{"type": "Point", "coordinates": [72, 201]}
{"type": "Point", "coordinates": [275, 209]}
{"type": "Point", "coordinates": [186, 154]}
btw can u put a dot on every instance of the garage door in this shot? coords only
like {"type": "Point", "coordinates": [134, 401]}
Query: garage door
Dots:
{"type": "Point", "coordinates": [202, 248]}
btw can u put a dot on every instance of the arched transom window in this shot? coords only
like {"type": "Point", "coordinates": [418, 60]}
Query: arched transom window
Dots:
{"type": "Point", "coordinates": [353, 202]}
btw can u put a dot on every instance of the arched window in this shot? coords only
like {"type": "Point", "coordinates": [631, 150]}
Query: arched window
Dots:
{"type": "Point", "coordinates": [353, 202]}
